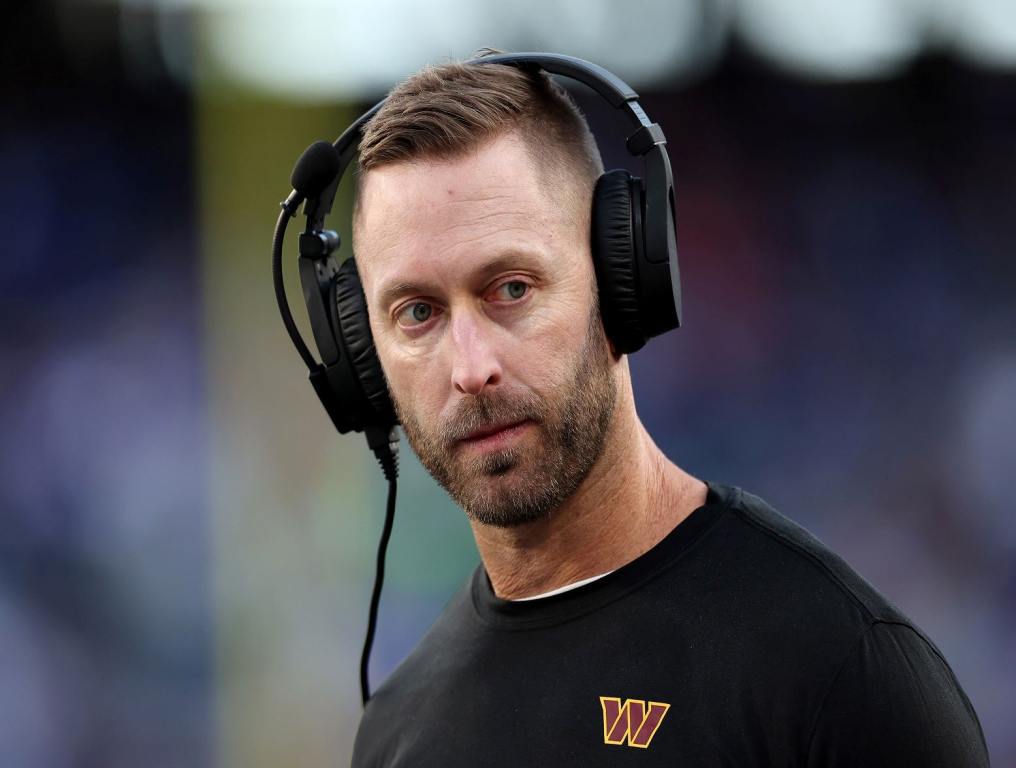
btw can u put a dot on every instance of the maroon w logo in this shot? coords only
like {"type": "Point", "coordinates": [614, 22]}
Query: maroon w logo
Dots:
{"type": "Point", "coordinates": [634, 721]}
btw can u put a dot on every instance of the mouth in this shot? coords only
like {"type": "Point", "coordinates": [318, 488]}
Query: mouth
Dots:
{"type": "Point", "coordinates": [495, 435]}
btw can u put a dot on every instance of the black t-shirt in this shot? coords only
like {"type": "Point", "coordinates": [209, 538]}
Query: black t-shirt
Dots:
{"type": "Point", "coordinates": [738, 640]}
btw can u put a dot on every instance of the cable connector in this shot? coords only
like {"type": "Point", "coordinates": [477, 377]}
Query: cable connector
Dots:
{"type": "Point", "coordinates": [385, 445]}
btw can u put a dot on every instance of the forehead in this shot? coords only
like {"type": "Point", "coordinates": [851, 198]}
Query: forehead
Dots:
{"type": "Point", "coordinates": [433, 218]}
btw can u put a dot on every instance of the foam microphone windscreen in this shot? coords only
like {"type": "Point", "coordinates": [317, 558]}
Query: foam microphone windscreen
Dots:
{"type": "Point", "coordinates": [315, 169]}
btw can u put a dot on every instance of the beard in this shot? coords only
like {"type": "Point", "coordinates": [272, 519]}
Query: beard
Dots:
{"type": "Point", "coordinates": [523, 483]}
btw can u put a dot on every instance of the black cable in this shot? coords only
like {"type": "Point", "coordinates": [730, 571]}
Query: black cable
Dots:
{"type": "Point", "coordinates": [280, 290]}
{"type": "Point", "coordinates": [384, 442]}
{"type": "Point", "coordinates": [379, 577]}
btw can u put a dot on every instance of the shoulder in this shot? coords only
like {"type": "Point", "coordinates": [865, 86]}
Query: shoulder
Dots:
{"type": "Point", "coordinates": [879, 691]}
{"type": "Point", "coordinates": [895, 701]}
{"type": "Point", "coordinates": [795, 586]}
{"type": "Point", "coordinates": [799, 564]}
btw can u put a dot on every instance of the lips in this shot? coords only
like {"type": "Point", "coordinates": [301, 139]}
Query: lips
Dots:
{"type": "Point", "coordinates": [490, 430]}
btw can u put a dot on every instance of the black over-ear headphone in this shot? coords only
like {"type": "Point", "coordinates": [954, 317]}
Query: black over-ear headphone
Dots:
{"type": "Point", "coordinates": [633, 246]}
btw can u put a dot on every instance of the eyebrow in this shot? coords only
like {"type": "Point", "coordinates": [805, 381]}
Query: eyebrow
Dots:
{"type": "Point", "coordinates": [504, 262]}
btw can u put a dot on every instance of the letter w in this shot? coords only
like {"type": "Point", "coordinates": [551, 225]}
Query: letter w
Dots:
{"type": "Point", "coordinates": [633, 721]}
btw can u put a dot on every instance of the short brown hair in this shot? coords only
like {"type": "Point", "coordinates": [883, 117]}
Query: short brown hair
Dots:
{"type": "Point", "coordinates": [446, 110]}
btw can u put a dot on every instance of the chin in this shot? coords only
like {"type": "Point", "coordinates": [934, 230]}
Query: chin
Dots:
{"type": "Point", "coordinates": [499, 516]}
{"type": "Point", "coordinates": [511, 497]}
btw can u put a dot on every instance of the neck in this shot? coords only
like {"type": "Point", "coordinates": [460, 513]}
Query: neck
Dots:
{"type": "Point", "coordinates": [631, 499]}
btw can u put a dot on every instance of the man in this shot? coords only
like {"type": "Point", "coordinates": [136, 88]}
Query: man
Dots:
{"type": "Point", "coordinates": [625, 612]}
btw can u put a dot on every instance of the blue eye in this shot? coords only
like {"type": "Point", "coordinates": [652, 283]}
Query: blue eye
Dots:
{"type": "Point", "coordinates": [415, 313]}
{"type": "Point", "coordinates": [514, 289]}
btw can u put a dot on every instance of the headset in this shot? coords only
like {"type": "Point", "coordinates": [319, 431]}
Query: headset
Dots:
{"type": "Point", "coordinates": [633, 244]}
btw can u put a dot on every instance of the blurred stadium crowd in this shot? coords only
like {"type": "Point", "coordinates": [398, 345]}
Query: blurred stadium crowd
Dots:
{"type": "Point", "coordinates": [847, 245]}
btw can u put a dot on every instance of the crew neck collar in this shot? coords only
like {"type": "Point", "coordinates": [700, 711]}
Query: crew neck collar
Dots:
{"type": "Point", "coordinates": [565, 588]}
{"type": "Point", "coordinates": [564, 606]}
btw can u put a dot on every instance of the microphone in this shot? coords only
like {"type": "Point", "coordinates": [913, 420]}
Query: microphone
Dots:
{"type": "Point", "coordinates": [314, 171]}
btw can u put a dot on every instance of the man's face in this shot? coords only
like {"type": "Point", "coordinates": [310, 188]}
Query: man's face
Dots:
{"type": "Point", "coordinates": [480, 289]}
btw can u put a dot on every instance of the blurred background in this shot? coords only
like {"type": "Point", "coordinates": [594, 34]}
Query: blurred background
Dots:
{"type": "Point", "coordinates": [187, 547]}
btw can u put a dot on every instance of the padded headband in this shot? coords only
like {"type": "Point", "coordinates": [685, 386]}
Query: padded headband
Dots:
{"type": "Point", "coordinates": [647, 141]}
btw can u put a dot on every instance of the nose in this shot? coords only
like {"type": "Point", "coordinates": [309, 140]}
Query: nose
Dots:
{"type": "Point", "coordinates": [475, 365]}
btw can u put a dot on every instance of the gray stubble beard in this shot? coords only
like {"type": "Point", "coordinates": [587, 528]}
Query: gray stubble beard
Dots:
{"type": "Point", "coordinates": [573, 433]}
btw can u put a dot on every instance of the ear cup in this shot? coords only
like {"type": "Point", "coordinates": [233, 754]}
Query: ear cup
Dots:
{"type": "Point", "coordinates": [352, 328]}
{"type": "Point", "coordinates": [614, 242]}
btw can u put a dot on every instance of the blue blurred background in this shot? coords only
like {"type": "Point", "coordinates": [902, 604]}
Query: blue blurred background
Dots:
{"type": "Point", "coordinates": [186, 546]}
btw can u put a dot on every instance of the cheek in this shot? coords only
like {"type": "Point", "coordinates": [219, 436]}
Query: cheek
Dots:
{"type": "Point", "coordinates": [544, 356]}
{"type": "Point", "coordinates": [413, 380]}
